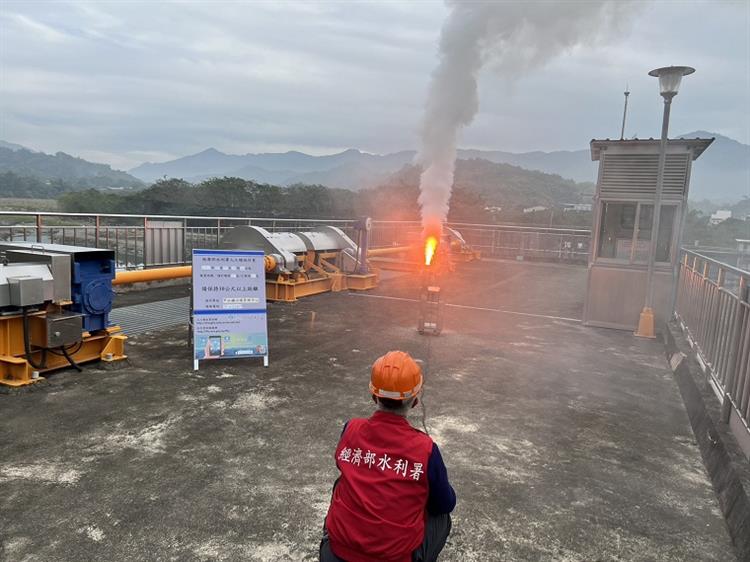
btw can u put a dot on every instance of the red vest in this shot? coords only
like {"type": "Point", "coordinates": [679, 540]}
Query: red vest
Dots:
{"type": "Point", "coordinates": [378, 507]}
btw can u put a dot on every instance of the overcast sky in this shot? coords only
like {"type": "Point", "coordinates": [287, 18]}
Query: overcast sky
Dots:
{"type": "Point", "coordinates": [127, 82]}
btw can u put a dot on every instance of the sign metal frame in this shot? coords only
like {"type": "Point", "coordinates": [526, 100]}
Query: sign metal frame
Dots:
{"type": "Point", "coordinates": [228, 305]}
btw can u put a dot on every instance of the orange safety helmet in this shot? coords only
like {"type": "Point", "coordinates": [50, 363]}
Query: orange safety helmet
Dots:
{"type": "Point", "coordinates": [395, 375]}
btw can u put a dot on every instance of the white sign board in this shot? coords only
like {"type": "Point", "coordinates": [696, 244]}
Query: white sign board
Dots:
{"type": "Point", "coordinates": [229, 305]}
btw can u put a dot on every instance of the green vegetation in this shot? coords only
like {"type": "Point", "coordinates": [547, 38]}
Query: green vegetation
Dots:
{"type": "Point", "coordinates": [506, 186]}
{"type": "Point", "coordinates": [238, 197]}
{"type": "Point", "coordinates": [33, 187]}
{"type": "Point", "coordinates": [14, 185]}
{"type": "Point", "coordinates": [698, 229]}
{"type": "Point", "coordinates": [395, 201]}
{"type": "Point", "coordinates": [26, 204]}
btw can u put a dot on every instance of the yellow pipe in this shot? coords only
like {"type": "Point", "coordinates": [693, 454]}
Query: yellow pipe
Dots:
{"type": "Point", "coordinates": [164, 273]}
{"type": "Point", "coordinates": [156, 274]}
{"type": "Point", "coordinates": [388, 251]}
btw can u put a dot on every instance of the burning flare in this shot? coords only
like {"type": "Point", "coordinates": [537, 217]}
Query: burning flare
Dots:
{"type": "Point", "coordinates": [430, 245]}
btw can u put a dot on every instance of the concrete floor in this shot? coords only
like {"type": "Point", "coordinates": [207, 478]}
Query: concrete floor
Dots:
{"type": "Point", "coordinates": [563, 442]}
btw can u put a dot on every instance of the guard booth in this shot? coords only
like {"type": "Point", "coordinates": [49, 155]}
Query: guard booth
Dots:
{"type": "Point", "coordinates": [623, 219]}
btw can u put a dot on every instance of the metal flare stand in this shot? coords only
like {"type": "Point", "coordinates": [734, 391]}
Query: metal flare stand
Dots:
{"type": "Point", "coordinates": [430, 321]}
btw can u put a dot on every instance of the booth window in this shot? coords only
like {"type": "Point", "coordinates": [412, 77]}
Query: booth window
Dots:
{"type": "Point", "coordinates": [625, 232]}
{"type": "Point", "coordinates": [663, 241]}
{"type": "Point", "coordinates": [616, 232]}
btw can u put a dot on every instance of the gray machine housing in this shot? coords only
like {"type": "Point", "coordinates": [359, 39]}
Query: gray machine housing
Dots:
{"type": "Point", "coordinates": [25, 290]}
{"type": "Point", "coordinates": [286, 247]}
{"type": "Point", "coordinates": [27, 284]}
{"type": "Point", "coordinates": [59, 266]}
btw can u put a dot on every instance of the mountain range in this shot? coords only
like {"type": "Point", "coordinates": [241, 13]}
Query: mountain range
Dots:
{"type": "Point", "coordinates": [721, 173]}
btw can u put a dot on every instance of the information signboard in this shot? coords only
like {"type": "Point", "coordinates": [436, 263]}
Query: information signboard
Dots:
{"type": "Point", "coordinates": [229, 305]}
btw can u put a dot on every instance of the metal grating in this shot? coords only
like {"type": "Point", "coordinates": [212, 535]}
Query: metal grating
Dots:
{"type": "Point", "coordinates": [151, 316]}
{"type": "Point", "coordinates": [632, 175]}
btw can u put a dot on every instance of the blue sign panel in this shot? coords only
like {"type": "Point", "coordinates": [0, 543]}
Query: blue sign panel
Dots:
{"type": "Point", "coordinates": [229, 305]}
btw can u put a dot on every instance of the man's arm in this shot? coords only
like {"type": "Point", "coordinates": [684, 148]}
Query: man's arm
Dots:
{"type": "Point", "coordinates": [442, 498]}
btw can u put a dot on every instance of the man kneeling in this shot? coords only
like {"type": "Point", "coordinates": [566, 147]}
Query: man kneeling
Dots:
{"type": "Point", "coordinates": [392, 500]}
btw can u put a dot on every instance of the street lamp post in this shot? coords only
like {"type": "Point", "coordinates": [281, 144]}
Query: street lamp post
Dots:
{"type": "Point", "coordinates": [669, 83]}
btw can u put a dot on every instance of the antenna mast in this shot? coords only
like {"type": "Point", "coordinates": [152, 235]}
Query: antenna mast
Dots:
{"type": "Point", "coordinates": [624, 113]}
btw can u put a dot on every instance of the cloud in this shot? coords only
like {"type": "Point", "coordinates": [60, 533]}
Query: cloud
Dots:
{"type": "Point", "coordinates": [131, 81]}
{"type": "Point", "coordinates": [38, 29]}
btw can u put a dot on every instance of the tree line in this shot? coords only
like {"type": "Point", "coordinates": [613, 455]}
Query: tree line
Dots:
{"type": "Point", "coordinates": [396, 200]}
{"type": "Point", "coordinates": [34, 187]}
{"type": "Point", "coordinates": [238, 197]}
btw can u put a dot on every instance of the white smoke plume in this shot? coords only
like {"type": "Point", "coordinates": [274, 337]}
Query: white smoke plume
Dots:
{"type": "Point", "coordinates": [514, 37]}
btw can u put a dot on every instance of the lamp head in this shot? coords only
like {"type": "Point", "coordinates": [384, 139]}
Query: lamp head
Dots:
{"type": "Point", "coordinates": [670, 78]}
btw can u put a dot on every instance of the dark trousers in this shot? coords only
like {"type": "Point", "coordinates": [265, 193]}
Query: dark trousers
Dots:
{"type": "Point", "coordinates": [436, 531]}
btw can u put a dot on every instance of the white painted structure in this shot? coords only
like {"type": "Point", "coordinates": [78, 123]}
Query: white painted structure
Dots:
{"type": "Point", "coordinates": [720, 216]}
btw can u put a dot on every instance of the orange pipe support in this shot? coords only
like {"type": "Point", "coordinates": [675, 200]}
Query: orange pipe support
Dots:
{"type": "Point", "coordinates": [156, 274]}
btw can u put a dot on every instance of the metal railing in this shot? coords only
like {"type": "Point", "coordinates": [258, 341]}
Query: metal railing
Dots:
{"type": "Point", "coordinates": [498, 241]}
{"type": "Point", "coordinates": [714, 313]}
{"type": "Point", "coordinates": [140, 240]}
{"type": "Point", "coordinates": [155, 240]}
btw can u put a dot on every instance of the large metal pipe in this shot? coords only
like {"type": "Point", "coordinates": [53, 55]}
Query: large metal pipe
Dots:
{"type": "Point", "coordinates": [165, 273]}
{"type": "Point", "coordinates": [374, 252]}
{"type": "Point", "coordinates": [155, 274]}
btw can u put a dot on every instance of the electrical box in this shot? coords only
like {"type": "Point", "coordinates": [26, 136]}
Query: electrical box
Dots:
{"type": "Point", "coordinates": [26, 290]}
{"type": "Point", "coordinates": [56, 329]}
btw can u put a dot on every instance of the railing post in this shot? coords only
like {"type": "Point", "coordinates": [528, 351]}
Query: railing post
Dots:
{"type": "Point", "coordinates": [39, 227]}
{"type": "Point", "coordinates": [145, 243]}
{"type": "Point", "coordinates": [726, 403]}
{"type": "Point", "coordinates": [97, 224]}
{"type": "Point", "coordinates": [117, 246]}
{"type": "Point", "coordinates": [184, 241]}
{"type": "Point", "coordinates": [680, 282]}
{"type": "Point", "coordinates": [218, 232]}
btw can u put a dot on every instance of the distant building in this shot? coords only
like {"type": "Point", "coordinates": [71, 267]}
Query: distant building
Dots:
{"type": "Point", "coordinates": [534, 209]}
{"type": "Point", "coordinates": [720, 216]}
{"type": "Point", "coordinates": [581, 207]}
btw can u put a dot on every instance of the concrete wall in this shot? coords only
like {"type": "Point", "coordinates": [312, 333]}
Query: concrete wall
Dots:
{"type": "Point", "coordinates": [723, 458]}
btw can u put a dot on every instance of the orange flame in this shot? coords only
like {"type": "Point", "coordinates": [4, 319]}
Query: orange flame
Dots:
{"type": "Point", "coordinates": [430, 245]}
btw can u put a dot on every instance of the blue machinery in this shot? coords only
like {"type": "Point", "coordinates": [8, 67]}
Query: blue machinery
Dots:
{"type": "Point", "coordinates": [55, 302]}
